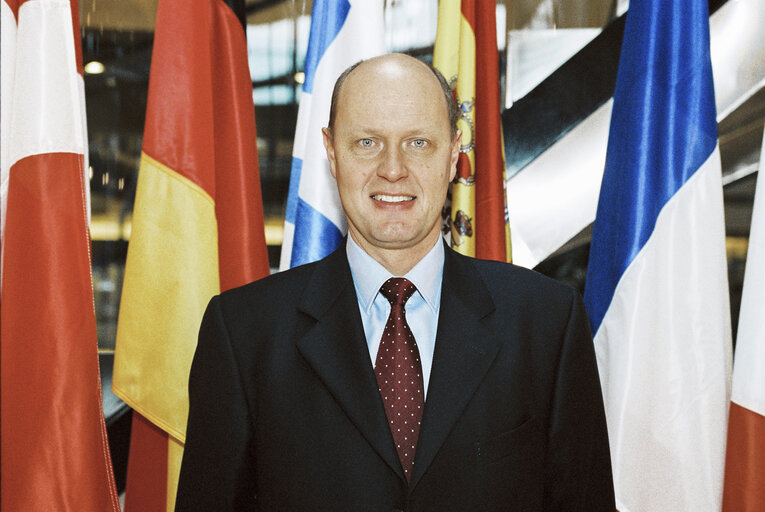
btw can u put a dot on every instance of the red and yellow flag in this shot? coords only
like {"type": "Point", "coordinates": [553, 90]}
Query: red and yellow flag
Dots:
{"type": "Point", "coordinates": [197, 228]}
{"type": "Point", "coordinates": [54, 454]}
{"type": "Point", "coordinates": [466, 54]}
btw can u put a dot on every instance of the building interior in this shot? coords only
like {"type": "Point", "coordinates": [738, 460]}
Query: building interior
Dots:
{"type": "Point", "coordinates": [558, 63]}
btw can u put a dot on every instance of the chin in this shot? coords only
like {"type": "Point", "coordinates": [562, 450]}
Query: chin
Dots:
{"type": "Point", "coordinates": [401, 241]}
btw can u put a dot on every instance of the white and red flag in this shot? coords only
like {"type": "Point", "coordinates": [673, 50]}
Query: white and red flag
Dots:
{"type": "Point", "coordinates": [54, 454]}
{"type": "Point", "coordinates": [745, 460]}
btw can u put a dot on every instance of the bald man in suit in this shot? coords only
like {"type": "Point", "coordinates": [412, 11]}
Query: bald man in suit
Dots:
{"type": "Point", "coordinates": [289, 409]}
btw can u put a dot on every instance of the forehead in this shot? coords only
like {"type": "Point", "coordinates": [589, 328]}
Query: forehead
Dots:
{"type": "Point", "coordinates": [388, 92]}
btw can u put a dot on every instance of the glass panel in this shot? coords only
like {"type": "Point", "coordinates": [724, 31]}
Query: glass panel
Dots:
{"type": "Point", "coordinates": [116, 46]}
{"type": "Point", "coordinates": [543, 34]}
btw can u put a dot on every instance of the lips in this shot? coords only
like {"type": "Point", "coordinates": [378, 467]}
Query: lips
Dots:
{"type": "Point", "coordinates": [392, 199]}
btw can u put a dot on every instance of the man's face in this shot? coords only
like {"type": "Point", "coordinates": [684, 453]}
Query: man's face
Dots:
{"type": "Point", "coordinates": [392, 154]}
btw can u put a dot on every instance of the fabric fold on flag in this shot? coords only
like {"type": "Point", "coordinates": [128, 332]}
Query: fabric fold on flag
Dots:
{"type": "Point", "coordinates": [745, 459]}
{"type": "Point", "coordinates": [197, 227]}
{"type": "Point", "coordinates": [466, 41]}
{"type": "Point", "coordinates": [343, 32]}
{"type": "Point", "coordinates": [54, 454]}
{"type": "Point", "coordinates": [657, 290]}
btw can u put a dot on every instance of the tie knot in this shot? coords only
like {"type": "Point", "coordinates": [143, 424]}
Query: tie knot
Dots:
{"type": "Point", "coordinates": [397, 290]}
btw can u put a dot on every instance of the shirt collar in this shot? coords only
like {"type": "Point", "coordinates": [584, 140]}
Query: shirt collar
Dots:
{"type": "Point", "coordinates": [368, 275]}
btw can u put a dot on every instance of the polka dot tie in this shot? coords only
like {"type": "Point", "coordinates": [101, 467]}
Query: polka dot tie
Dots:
{"type": "Point", "coordinates": [399, 373]}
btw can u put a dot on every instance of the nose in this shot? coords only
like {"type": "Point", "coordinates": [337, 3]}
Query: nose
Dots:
{"type": "Point", "coordinates": [393, 165]}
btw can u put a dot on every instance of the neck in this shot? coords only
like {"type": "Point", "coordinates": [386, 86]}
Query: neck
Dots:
{"type": "Point", "coordinates": [398, 261]}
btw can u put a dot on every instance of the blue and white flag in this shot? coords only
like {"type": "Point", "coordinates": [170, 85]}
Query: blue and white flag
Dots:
{"type": "Point", "coordinates": [343, 32]}
{"type": "Point", "coordinates": [657, 287]}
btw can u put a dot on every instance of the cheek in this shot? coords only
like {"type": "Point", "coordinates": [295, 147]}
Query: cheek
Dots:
{"type": "Point", "coordinates": [351, 186]}
{"type": "Point", "coordinates": [439, 184]}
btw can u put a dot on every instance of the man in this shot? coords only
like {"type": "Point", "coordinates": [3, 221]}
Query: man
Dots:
{"type": "Point", "coordinates": [476, 390]}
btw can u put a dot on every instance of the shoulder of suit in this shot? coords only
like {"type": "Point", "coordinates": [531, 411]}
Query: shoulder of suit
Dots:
{"type": "Point", "coordinates": [286, 282]}
{"type": "Point", "coordinates": [513, 278]}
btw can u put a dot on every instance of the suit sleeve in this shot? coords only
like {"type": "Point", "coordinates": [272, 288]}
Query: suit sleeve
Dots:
{"type": "Point", "coordinates": [579, 463]}
{"type": "Point", "coordinates": [217, 472]}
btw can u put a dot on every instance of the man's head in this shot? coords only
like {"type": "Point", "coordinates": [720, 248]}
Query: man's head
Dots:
{"type": "Point", "coordinates": [451, 107]}
{"type": "Point", "coordinates": [393, 149]}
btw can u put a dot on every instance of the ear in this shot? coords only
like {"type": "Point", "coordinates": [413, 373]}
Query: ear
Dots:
{"type": "Point", "coordinates": [329, 147]}
{"type": "Point", "coordinates": [455, 155]}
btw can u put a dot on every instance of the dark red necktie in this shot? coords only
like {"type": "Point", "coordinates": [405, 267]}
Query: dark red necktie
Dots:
{"type": "Point", "coordinates": [399, 373]}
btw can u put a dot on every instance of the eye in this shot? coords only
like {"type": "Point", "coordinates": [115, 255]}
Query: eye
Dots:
{"type": "Point", "coordinates": [366, 143]}
{"type": "Point", "coordinates": [419, 143]}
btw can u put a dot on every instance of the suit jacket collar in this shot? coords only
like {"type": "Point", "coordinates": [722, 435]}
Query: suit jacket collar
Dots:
{"type": "Point", "coordinates": [465, 349]}
{"type": "Point", "coordinates": [337, 351]}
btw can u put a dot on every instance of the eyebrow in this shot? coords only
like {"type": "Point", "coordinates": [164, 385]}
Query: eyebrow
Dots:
{"type": "Point", "coordinates": [425, 132]}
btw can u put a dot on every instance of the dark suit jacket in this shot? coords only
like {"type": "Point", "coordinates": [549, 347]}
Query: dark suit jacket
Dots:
{"type": "Point", "coordinates": [285, 414]}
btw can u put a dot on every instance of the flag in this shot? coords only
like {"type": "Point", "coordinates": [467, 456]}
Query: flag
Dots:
{"type": "Point", "coordinates": [343, 32]}
{"type": "Point", "coordinates": [197, 227]}
{"type": "Point", "coordinates": [466, 41]}
{"type": "Point", "coordinates": [54, 453]}
{"type": "Point", "coordinates": [745, 460]}
{"type": "Point", "coordinates": [657, 290]}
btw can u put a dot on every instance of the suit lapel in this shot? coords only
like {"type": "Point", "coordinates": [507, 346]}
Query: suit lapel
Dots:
{"type": "Point", "coordinates": [465, 349]}
{"type": "Point", "coordinates": [336, 349]}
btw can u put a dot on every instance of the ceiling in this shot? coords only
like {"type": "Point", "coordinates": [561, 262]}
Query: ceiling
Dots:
{"type": "Point", "coordinates": [138, 15]}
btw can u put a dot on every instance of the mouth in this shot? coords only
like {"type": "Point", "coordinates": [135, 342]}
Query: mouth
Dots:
{"type": "Point", "coordinates": [392, 199]}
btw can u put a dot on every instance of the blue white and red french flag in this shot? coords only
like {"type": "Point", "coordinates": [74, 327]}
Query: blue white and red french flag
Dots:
{"type": "Point", "coordinates": [657, 288]}
{"type": "Point", "coordinates": [343, 32]}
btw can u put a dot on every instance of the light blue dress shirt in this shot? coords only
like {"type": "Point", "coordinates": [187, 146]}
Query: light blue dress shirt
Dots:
{"type": "Point", "coordinates": [421, 308]}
